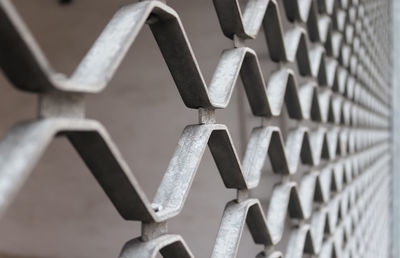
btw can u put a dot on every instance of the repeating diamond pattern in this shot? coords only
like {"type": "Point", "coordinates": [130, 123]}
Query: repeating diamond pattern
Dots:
{"type": "Point", "coordinates": [337, 94]}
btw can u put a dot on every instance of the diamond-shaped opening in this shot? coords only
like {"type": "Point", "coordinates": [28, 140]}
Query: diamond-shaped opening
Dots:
{"type": "Point", "coordinates": [202, 28]}
{"type": "Point", "coordinates": [167, 138]}
{"type": "Point", "coordinates": [71, 57]}
{"type": "Point", "coordinates": [166, 125]}
{"type": "Point", "coordinates": [142, 108]}
{"type": "Point", "coordinates": [143, 111]}
{"type": "Point", "coordinates": [61, 211]}
{"type": "Point", "coordinates": [67, 31]}
{"type": "Point", "coordinates": [64, 35]}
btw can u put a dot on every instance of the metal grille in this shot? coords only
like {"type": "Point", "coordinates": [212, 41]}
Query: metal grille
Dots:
{"type": "Point", "coordinates": [333, 83]}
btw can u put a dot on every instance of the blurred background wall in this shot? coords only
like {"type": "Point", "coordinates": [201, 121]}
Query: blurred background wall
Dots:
{"type": "Point", "coordinates": [61, 210]}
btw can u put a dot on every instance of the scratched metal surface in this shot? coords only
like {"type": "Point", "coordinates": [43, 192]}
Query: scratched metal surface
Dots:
{"type": "Point", "coordinates": [332, 81]}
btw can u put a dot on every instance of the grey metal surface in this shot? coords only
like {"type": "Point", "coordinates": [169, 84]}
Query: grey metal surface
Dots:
{"type": "Point", "coordinates": [395, 248]}
{"type": "Point", "coordinates": [333, 162]}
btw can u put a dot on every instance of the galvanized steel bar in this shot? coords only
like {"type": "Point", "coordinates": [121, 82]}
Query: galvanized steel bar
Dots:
{"type": "Point", "coordinates": [341, 107]}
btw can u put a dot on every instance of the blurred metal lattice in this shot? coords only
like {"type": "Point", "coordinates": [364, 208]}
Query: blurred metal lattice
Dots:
{"type": "Point", "coordinates": [340, 205]}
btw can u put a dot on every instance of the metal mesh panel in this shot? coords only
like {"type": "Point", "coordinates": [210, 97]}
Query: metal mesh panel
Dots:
{"type": "Point", "coordinates": [332, 81]}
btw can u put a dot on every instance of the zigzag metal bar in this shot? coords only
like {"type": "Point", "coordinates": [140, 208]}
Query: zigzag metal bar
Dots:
{"type": "Point", "coordinates": [96, 70]}
{"type": "Point", "coordinates": [284, 199]}
{"type": "Point", "coordinates": [85, 134]}
{"type": "Point", "coordinates": [106, 163]}
{"type": "Point", "coordinates": [183, 166]}
{"type": "Point", "coordinates": [252, 213]}
{"type": "Point", "coordinates": [116, 178]}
